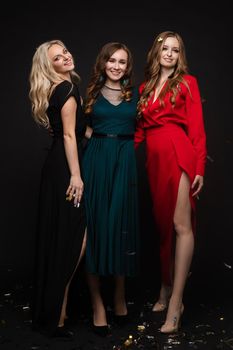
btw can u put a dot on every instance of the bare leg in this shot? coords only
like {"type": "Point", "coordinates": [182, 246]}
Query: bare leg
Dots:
{"type": "Point", "coordinates": [99, 313]}
{"type": "Point", "coordinates": [120, 307]}
{"type": "Point", "coordinates": [63, 315]}
{"type": "Point", "coordinates": [164, 295]}
{"type": "Point", "coordinates": [183, 254]}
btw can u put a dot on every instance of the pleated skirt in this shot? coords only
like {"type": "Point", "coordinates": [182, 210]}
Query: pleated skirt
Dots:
{"type": "Point", "coordinates": [111, 200]}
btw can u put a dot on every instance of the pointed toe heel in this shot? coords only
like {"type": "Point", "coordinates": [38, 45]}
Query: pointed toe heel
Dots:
{"type": "Point", "coordinates": [121, 320]}
{"type": "Point", "coordinates": [64, 333]}
{"type": "Point", "coordinates": [102, 331]}
{"type": "Point", "coordinates": [174, 325]}
{"type": "Point", "coordinates": [159, 307]}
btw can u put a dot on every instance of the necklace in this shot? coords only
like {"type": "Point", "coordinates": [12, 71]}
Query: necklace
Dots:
{"type": "Point", "coordinates": [112, 88]}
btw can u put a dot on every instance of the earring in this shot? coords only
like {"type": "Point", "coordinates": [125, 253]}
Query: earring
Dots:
{"type": "Point", "coordinates": [101, 78]}
{"type": "Point", "coordinates": [125, 82]}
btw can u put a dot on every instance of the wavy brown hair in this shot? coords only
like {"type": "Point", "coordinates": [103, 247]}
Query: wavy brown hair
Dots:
{"type": "Point", "coordinates": [152, 71]}
{"type": "Point", "coordinates": [98, 76]}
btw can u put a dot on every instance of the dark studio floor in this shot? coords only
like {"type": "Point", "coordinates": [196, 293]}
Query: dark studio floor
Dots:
{"type": "Point", "coordinates": [207, 323]}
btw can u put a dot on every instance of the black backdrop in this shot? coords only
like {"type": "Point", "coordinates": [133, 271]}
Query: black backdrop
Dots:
{"type": "Point", "coordinates": [85, 27]}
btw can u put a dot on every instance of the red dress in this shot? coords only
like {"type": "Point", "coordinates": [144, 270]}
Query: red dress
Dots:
{"type": "Point", "coordinates": [175, 143]}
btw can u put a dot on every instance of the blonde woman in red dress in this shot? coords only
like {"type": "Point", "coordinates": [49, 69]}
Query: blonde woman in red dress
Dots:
{"type": "Point", "coordinates": [171, 123]}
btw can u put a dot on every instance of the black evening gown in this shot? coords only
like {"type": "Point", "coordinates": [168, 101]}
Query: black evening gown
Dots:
{"type": "Point", "coordinates": [61, 226]}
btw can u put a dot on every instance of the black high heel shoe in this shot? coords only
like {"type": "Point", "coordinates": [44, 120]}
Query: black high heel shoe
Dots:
{"type": "Point", "coordinates": [121, 320]}
{"type": "Point", "coordinates": [102, 331]}
{"type": "Point", "coordinates": [63, 332]}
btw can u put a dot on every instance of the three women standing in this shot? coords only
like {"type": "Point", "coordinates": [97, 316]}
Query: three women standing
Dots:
{"type": "Point", "coordinates": [171, 122]}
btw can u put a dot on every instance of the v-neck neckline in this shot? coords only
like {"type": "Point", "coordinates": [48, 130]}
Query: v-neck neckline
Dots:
{"type": "Point", "coordinates": [110, 102]}
{"type": "Point", "coordinates": [160, 90]}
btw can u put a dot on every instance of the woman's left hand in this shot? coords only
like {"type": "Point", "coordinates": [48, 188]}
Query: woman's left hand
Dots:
{"type": "Point", "coordinates": [75, 190]}
{"type": "Point", "coordinates": [197, 185]}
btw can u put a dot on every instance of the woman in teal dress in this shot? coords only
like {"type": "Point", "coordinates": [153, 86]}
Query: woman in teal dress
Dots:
{"type": "Point", "coordinates": [110, 177]}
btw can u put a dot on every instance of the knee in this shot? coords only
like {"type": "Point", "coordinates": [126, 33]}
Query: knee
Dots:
{"type": "Point", "coordinates": [182, 228]}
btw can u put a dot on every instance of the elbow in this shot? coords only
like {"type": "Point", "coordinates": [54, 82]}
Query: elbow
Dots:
{"type": "Point", "coordinates": [67, 136]}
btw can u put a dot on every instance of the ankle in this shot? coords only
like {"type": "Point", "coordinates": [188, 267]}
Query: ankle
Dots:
{"type": "Point", "coordinates": [99, 317]}
{"type": "Point", "coordinates": [164, 295]}
{"type": "Point", "coordinates": [99, 321]}
{"type": "Point", "coordinates": [165, 292]}
{"type": "Point", "coordinates": [175, 302]}
{"type": "Point", "coordinates": [120, 307]}
{"type": "Point", "coordinates": [120, 311]}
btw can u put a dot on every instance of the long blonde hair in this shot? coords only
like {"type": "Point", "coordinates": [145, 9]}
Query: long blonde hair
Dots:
{"type": "Point", "coordinates": [42, 79]}
{"type": "Point", "coordinates": [152, 71]}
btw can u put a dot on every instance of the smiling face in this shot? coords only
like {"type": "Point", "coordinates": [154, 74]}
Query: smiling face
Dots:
{"type": "Point", "coordinates": [116, 66]}
{"type": "Point", "coordinates": [61, 59]}
{"type": "Point", "coordinates": [169, 53]}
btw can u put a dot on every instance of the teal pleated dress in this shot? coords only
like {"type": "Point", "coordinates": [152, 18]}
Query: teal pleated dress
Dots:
{"type": "Point", "coordinates": [111, 195]}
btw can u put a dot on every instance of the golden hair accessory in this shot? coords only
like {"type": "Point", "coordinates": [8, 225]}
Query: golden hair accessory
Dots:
{"type": "Point", "coordinates": [160, 39]}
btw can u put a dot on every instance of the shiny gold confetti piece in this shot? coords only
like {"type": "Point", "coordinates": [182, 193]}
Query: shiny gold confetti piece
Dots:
{"type": "Point", "coordinates": [128, 342]}
{"type": "Point", "coordinates": [141, 328]}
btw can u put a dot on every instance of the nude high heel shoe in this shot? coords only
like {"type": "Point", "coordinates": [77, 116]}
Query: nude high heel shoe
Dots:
{"type": "Point", "coordinates": [173, 326]}
{"type": "Point", "coordinates": [158, 307]}
{"type": "Point", "coordinates": [161, 306]}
